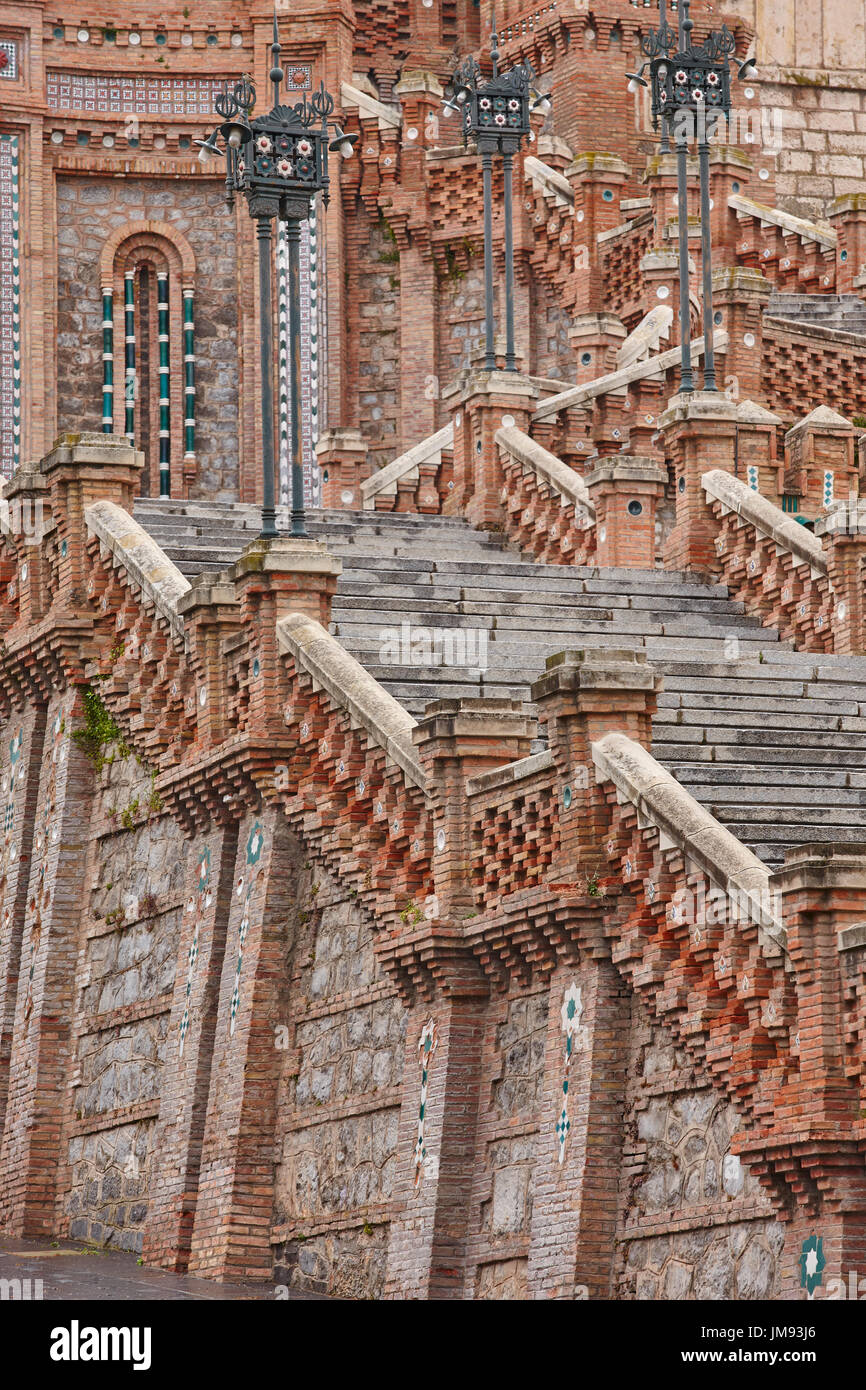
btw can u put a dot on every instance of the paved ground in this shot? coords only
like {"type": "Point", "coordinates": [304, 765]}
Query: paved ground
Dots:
{"type": "Point", "coordinates": [70, 1271]}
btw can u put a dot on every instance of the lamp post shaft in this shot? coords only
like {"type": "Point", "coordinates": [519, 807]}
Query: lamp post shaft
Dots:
{"type": "Point", "coordinates": [487, 174]}
{"type": "Point", "coordinates": [706, 263]}
{"type": "Point", "coordinates": [263, 232]}
{"type": "Point", "coordinates": [510, 355]}
{"type": "Point", "coordinates": [686, 380]}
{"type": "Point", "coordinates": [293, 240]}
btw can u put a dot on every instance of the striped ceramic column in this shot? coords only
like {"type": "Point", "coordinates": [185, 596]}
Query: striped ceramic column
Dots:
{"type": "Point", "coordinates": [107, 359]}
{"type": "Point", "coordinates": [129, 335]}
{"type": "Point", "coordinates": [188, 379]}
{"type": "Point", "coordinates": [164, 387]}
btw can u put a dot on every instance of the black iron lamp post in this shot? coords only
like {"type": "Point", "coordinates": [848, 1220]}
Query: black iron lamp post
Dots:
{"type": "Point", "coordinates": [496, 113]}
{"type": "Point", "coordinates": [279, 162]}
{"type": "Point", "coordinates": [691, 93]}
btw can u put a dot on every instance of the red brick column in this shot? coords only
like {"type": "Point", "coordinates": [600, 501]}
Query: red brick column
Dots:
{"type": "Point", "coordinates": [741, 296]}
{"type": "Point", "coordinates": [343, 462]}
{"type": "Point", "coordinates": [420, 95]}
{"type": "Point", "coordinates": [234, 1207]}
{"type": "Point", "coordinates": [625, 492]}
{"type": "Point", "coordinates": [581, 697]}
{"type": "Point", "coordinates": [577, 1172]}
{"type": "Point", "coordinates": [81, 469]}
{"type": "Point", "coordinates": [660, 274]}
{"type": "Point", "coordinates": [848, 216]}
{"type": "Point", "coordinates": [843, 534]}
{"type": "Point", "coordinates": [700, 433]}
{"type": "Point", "coordinates": [426, 1254]}
{"type": "Point", "coordinates": [822, 444]}
{"type": "Point", "coordinates": [728, 166]}
{"type": "Point", "coordinates": [595, 340]}
{"type": "Point", "coordinates": [661, 183]}
{"type": "Point", "coordinates": [480, 403]}
{"type": "Point", "coordinates": [232, 1212]}
{"type": "Point", "coordinates": [756, 457]}
{"type": "Point", "coordinates": [598, 181]}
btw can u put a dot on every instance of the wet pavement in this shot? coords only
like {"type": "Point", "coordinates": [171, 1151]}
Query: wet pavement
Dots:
{"type": "Point", "coordinates": [71, 1271]}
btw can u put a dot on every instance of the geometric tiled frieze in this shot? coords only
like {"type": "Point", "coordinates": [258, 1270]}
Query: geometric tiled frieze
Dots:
{"type": "Point", "coordinates": [10, 307]}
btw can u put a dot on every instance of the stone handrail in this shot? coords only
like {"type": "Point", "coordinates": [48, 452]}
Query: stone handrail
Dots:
{"type": "Point", "coordinates": [369, 108]}
{"type": "Point", "coordinates": [510, 773]}
{"type": "Point", "coordinates": [768, 519]}
{"type": "Point", "coordinates": [682, 822]}
{"type": "Point", "coordinates": [557, 475]}
{"type": "Point", "coordinates": [145, 563]}
{"type": "Point", "coordinates": [386, 479]}
{"type": "Point", "coordinates": [549, 181]}
{"type": "Point", "coordinates": [615, 381]}
{"type": "Point", "coordinates": [353, 689]}
{"type": "Point", "coordinates": [785, 221]}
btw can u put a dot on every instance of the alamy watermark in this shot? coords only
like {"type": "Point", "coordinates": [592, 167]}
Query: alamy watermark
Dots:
{"type": "Point", "coordinates": [408, 645]}
{"type": "Point", "coordinates": [23, 517]}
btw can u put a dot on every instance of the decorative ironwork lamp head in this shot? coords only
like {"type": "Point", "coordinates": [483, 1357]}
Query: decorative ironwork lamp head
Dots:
{"type": "Point", "coordinates": [281, 155]}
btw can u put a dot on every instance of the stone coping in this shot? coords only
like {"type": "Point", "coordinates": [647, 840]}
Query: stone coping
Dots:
{"type": "Point", "coordinates": [548, 467]}
{"type": "Point", "coordinates": [398, 468]}
{"type": "Point", "coordinates": [388, 117]}
{"type": "Point", "coordinates": [510, 773]}
{"type": "Point", "coordinates": [614, 381]}
{"type": "Point", "coordinates": [550, 180]}
{"type": "Point", "coordinates": [352, 689]}
{"type": "Point", "coordinates": [853, 937]}
{"type": "Point", "coordinates": [776, 217]}
{"type": "Point", "coordinates": [684, 824]}
{"type": "Point", "coordinates": [811, 330]}
{"type": "Point", "coordinates": [146, 564]}
{"type": "Point", "coordinates": [768, 519]}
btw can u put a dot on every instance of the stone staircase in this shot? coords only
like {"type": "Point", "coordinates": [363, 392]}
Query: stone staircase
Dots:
{"type": "Point", "coordinates": [845, 313]}
{"type": "Point", "coordinates": [772, 741]}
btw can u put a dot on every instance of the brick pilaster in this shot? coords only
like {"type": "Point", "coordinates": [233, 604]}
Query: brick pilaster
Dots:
{"type": "Point", "coordinates": [740, 297]}
{"type": "Point", "coordinates": [343, 462]}
{"type": "Point", "coordinates": [577, 1170]}
{"type": "Point", "coordinates": [39, 1062]}
{"type": "Point", "coordinates": [480, 403]}
{"type": "Point", "coordinates": [821, 461]}
{"type": "Point", "coordinates": [625, 492]}
{"type": "Point", "coordinates": [700, 433]}
{"type": "Point", "coordinates": [234, 1206]}
{"type": "Point", "coordinates": [187, 1076]}
{"type": "Point", "coordinates": [456, 739]}
{"type": "Point", "coordinates": [848, 216]}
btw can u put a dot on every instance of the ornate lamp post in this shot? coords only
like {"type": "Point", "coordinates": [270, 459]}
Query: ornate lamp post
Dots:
{"type": "Point", "coordinates": [691, 94]}
{"type": "Point", "coordinates": [279, 162]}
{"type": "Point", "coordinates": [496, 113]}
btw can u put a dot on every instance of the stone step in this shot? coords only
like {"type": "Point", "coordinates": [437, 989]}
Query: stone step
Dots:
{"type": "Point", "coordinates": [683, 751]}
{"type": "Point", "coordinates": [760, 703]}
{"type": "Point", "coordinates": [740, 719]}
{"type": "Point", "coordinates": [765, 776]}
{"type": "Point", "coordinates": [803, 798]}
{"type": "Point", "coordinates": [558, 608]}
